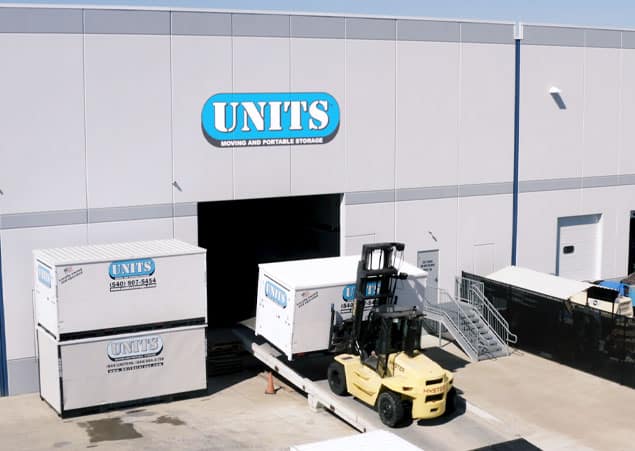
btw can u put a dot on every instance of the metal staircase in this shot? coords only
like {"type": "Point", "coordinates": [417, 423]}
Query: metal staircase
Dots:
{"type": "Point", "coordinates": [470, 318]}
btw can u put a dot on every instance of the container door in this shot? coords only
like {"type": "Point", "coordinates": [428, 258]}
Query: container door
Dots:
{"type": "Point", "coordinates": [579, 247]}
{"type": "Point", "coordinates": [429, 262]}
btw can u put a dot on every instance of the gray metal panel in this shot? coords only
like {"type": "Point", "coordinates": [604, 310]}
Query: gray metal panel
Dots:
{"type": "Point", "coordinates": [185, 209]}
{"type": "Point", "coordinates": [40, 20]}
{"type": "Point", "coordinates": [431, 192]}
{"type": "Point", "coordinates": [260, 25]}
{"type": "Point", "coordinates": [23, 376]}
{"type": "Point", "coordinates": [527, 186]}
{"type": "Point", "coordinates": [43, 219]}
{"type": "Point", "coordinates": [626, 179]}
{"type": "Point", "coordinates": [628, 39]}
{"type": "Point", "coordinates": [369, 197]}
{"type": "Point", "coordinates": [201, 24]}
{"type": "Point", "coordinates": [543, 35]}
{"type": "Point", "coordinates": [487, 33]}
{"type": "Point", "coordinates": [603, 38]}
{"type": "Point", "coordinates": [428, 30]}
{"type": "Point", "coordinates": [385, 29]}
{"type": "Point", "coordinates": [130, 213]}
{"type": "Point", "coordinates": [126, 22]}
{"type": "Point", "coordinates": [318, 27]}
{"type": "Point", "coordinates": [485, 189]}
{"type": "Point", "coordinates": [600, 181]}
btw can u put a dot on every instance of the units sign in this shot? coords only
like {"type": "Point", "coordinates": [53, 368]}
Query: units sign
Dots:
{"type": "Point", "coordinates": [270, 119]}
{"type": "Point", "coordinates": [132, 274]}
{"type": "Point", "coordinates": [276, 294]}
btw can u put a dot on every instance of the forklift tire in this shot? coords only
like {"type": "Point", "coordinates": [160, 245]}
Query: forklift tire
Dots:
{"type": "Point", "coordinates": [450, 402]}
{"type": "Point", "coordinates": [390, 408]}
{"type": "Point", "coordinates": [337, 378]}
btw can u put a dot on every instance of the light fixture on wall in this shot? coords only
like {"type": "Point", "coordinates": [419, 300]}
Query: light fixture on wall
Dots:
{"type": "Point", "coordinates": [556, 94]}
{"type": "Point", "coordinates": [554, 90]}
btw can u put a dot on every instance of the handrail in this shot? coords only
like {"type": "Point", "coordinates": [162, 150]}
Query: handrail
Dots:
{"type": "Point", "coordinates": [463, 324]}
{"type": "Point", "coordinates": [471, 292]}
{"type": "Point", "coordinates": [493, 311]}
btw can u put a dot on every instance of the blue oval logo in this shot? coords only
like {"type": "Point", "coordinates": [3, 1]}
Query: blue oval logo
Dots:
{"type": "Point", "coordinates": [270, 119]}
{"type": "Point", "coordinates": [276, 293]}
{"type": "Point", "coordinates": [348, 293]}
{"type": "Point", "coordinates": [131, 268]}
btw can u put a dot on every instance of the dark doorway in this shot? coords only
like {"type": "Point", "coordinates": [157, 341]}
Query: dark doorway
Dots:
{"type": "Point", "coordinates": [240, 234]}
{"type": "Point", "coordinates": [631, 245]}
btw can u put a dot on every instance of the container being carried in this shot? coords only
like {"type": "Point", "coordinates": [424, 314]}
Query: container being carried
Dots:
{"type": "Point", "coordinates": [90, 290]}
{"type": "Point", "coordinates": [295, 299]}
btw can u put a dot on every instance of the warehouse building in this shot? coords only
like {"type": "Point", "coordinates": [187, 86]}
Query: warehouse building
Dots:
{"type": "Point", "coordinates": [266, 137]}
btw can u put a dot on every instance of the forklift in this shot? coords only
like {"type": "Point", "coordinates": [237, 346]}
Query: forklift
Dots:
{"type": "Point", "coordinates": [381, 362]}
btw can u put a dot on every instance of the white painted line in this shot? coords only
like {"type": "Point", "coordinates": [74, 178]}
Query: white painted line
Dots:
{"type": "Point", "coordinates": [469, 407]}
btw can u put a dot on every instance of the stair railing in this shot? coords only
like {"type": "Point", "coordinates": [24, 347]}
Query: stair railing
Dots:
{"type": "Point", "coordinates": [472, 292]}
{"type": "Point", "coordinates": [456, 318]}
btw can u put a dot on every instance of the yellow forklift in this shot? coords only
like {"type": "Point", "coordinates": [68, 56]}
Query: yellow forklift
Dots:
{"type": "Point", "coordinates": [382, 364]}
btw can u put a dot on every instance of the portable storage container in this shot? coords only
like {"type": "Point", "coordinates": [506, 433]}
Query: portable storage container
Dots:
{"type": "Point", "coordinates": [89, 290]}
{"type": "Point", "coordinates": [294, 299]}
{"type": "Point", "coordinates": [77, 376]}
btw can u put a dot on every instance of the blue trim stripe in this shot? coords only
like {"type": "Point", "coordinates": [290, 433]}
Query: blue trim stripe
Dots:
{"type": "Point", "coordinates": [4, 389]}
{"type": "Point", "coordinates": [516, 152]}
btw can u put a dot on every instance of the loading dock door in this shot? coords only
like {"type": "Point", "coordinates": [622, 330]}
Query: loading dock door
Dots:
{"type": "Point", "coordinates": [579, 247]}
{"type": "Point", "coordinates": [239, 234]}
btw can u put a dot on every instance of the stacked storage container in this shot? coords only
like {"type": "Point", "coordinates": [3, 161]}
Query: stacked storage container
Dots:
{"type": "Point", "coordinates": [120, 323]}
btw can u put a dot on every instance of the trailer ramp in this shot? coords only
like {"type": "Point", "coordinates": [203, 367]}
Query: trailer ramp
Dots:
{"type": "Point", "coordinates": [317, 394]}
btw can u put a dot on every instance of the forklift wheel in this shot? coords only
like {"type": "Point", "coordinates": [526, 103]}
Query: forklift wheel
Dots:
{"type": "Point", "coordinates": [337, 378]}
{"type": "Point", "coordinates": [390, 408]}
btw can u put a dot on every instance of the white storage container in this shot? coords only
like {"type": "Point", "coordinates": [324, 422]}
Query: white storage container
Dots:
{"type": "Point", "coordinates": [77, 376]}
{"type": "Point", "coordinates": [88, 290]}
{"type": "Point", "coordinates": [294, 299]}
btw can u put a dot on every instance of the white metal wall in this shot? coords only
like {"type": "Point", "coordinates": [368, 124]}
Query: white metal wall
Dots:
{"type": "Point", "coordinates": [102, 138]}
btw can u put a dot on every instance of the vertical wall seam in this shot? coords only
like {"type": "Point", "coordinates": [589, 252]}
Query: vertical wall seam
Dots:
{"type": "Point", "coordinates": [394, 160]}
{"type": "Point", "coordinates": [584, 107]}
{"type": "Point", "coordinates": [85, 123]}
{"type": "Point", "coordinates": [516, 152]}
{"type": "Point", "coordinates": [457, 217]}
{"type": "Point", "coordinates": [620, 149]}
{"type": "Point", "coordinates": [172, 187]}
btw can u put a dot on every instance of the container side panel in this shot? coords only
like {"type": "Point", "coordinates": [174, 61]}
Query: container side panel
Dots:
{"type": "Point", "coordinates": [124, 368]}
{"type": "Point", "coordinates": [45, 293]}
{"type": "Point", "coordinates": [49, 370]}
{"type": "Point", "coordinates": [17, 253]}
{"type": "Point", "coordinates": [274, 312]}
{"type": "Point", "coordinates": [103, 295]}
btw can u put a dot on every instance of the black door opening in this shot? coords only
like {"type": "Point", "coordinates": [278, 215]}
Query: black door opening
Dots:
{"type": "Point", "coordinates": [631, 245]}
{"type": "Point", "coordinates": [240, 234]}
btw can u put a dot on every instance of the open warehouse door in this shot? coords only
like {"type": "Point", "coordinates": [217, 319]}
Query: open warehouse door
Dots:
{"type": "Point", "coordinates": [240, 234]}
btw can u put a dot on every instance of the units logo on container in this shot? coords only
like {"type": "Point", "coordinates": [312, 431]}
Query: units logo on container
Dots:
{"type": "Point", "coordinates": [132, 274]}
{"type": "Point", "coordinates": [348, 293]}
{"type": "Point", "coordinates": [44, 276]}
{"type": "Point", "coordinates": [131, 268]}
{"type": "Point", "coordinates": [275, 293]}
{"type": "Point", "coordinates": [270, 119]}
{"type": "Point", "coordinates": [135, 348]}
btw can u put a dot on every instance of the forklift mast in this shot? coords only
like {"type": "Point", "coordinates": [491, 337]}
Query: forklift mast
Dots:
{"type": "Point", "coordinates": [377, 275]}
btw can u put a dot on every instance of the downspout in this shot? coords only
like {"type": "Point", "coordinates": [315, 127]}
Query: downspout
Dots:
{"type": "Point", "coordinates": [518, 35]}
